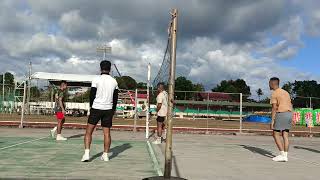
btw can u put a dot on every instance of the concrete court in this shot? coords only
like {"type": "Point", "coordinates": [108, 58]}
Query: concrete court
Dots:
{"type": "Point", "coordinates": [195, 156]}
{"type": "Point", "coordinates": [206, 157]}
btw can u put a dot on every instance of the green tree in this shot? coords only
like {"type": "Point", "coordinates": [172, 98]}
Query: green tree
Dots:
{"type": "Point", "coordinates": [198, 87]}
{"type": "Point", "coordinates": [259, 93]}
{"type": "Point", "coordinates": [300, 92]}
{"type": "Point", "coordinates": [183, 84]}
{"type": "Point", "coordinates": [85, 97]}
{"type": "Point", "coordinates": [142, 85]}
{"type": "Point", "coordinates": [8, 79]}
{"type": "Point", "coordinates": [288, 86]}
{"type": "Point", "coordinates": [231, 86]}
{"type": "Point", "coordinates": [126, 82]}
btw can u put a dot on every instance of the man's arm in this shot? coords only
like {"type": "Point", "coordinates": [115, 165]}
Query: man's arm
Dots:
{"type": "Point", "coordinates": [62, 105]}
{"type": "Point", "coordinates": [115, 100]}
{"type": "Point", "coordinates": [93, 93]}
{"type": "Point", "coordinates": [159, 106]}
{"type": "Point", "coordinates": [273, 115]}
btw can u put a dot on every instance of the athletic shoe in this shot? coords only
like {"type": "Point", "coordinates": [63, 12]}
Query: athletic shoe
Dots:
{"type": "Point", "coordinates": [53, 132]}
{"type": "Point", "coordinates": [85, 157]}
{"type": "Point", "coordinates": [104, 157]}
{"type": "Point", "coordinates": [280, 158]}
{"type": "Point", "coordinates": [157, 141]}
{"type": "Point", "coordinates": [60, 138]}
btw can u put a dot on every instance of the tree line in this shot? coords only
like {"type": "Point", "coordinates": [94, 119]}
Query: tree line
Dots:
{"type": "Point", "coordinates": [297, 89]}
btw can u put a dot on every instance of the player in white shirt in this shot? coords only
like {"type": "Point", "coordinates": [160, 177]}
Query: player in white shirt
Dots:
{"type": "Point", "coordinates": [103, 103]}
{"type": "Point", "coordinates": [162, 109]}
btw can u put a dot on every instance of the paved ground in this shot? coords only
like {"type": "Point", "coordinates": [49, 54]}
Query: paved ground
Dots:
{"type": "Point", "coordinates": [195, 157]}
{"type": "Point", "coordinates": [242, 157]}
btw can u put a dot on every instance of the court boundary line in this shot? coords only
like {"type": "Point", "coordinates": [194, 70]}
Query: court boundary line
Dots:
{"type": "Point", "coordinates": [154, 159]}
{"type": "Point", "coordinates": [25, 142]}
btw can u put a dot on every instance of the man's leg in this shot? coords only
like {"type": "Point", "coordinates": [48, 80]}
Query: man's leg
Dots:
{"type": "Point", "coordinates": [59, 129]}
{"type": "Point", "coordinates": [87, 142]}
{"type": "Point", "coordinates": [88, 136]}
{"type": "Point", "coordinates": [107, 139]}
{"type": "Point", "coordinates": [277, 139]}
{"type": "Point", "coordinates": [60, 124]}
{"type": "Point", "coordinates": [285, 136]}
{"type": "Point", "coordinates": [160, 126]}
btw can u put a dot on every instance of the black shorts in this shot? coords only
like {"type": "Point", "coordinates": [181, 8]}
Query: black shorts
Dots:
{"type": "Point", "coordinates": [161, 118]}
{"type": "Point", "coordinates": [104, 115]}
{"type": "Point", "coordinates": [286, 130]}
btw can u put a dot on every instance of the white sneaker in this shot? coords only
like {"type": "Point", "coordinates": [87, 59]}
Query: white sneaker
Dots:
{"type": "Point", "coordinates": [157, 141]}
{"type": "Point", "coordinates": [60, 138]}
{"type": "Point", "coordinates": [85, 157]}
{"type": "Point", "coordinates": [280, 158]}
{"type": "Point", "coordinates": [53, 132]}
{"type": "Point", "coordinates": [104, 157]}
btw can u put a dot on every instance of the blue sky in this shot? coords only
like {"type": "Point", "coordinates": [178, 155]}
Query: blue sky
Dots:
{"type": "Point", "coordinates": [308, 57]}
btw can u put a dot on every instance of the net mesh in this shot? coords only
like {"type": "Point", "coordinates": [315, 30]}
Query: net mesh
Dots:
{"type": "Point", "coordinates": [164, 71]}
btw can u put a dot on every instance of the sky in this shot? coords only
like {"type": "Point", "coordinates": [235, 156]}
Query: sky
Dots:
{"type": "Point", "coordinates": [217, 39]}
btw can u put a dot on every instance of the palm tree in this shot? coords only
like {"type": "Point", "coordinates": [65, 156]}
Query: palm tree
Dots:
{"type": "Point", "coordinates": [260, 93]}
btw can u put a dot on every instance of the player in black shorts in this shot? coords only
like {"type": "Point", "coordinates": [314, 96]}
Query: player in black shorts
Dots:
{"type": "Point", "coordinates": [103, 103]}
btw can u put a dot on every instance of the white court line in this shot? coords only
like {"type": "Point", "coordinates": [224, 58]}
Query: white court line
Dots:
{"type": "Point", "coordinates": [154, 159]}
{"type": "Point", "coordinates": [22, 143]}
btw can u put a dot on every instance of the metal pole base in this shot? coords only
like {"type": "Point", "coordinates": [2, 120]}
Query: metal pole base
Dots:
{"type": "Point", "coordinates": [163, 178]}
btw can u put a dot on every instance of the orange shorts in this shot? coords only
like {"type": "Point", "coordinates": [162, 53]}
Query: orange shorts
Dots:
{"type": "Point", "coordinates": [59, 115]}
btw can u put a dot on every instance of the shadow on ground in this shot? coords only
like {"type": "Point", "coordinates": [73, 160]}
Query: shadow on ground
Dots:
{"type": "Point", "coordinates": [115, 151]}
{"type": "Point", "coordinates": [257, 150]}
{"type": "Point", "coordinates": [308, 149]}
{"type": "Point", "coordinates": [76, 136]}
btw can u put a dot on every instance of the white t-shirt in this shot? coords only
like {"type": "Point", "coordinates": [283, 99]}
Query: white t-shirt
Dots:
{"type": "Point", "coordinates": [105, 85]}
{"type": "Point", "coordinates": [163, 99]}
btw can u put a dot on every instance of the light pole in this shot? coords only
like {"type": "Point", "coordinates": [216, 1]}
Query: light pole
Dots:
{"type": "Point", "coordinates": [104, 49]}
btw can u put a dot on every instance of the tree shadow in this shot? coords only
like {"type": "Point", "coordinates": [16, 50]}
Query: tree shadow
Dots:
{"type": "Point", "coordinates": [115, 151]}
{"type": "Point", "coordinates": [308, 149]}
{"type": "Point", "coordinates": [257, 150]}
{"type": "Point", "coordinates": [76, 136]}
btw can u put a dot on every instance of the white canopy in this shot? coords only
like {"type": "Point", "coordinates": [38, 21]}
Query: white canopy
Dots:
{"type": "Point", "coordinates": [65, 77]}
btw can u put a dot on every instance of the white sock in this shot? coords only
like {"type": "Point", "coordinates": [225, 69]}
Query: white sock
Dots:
{"type": "Point", "coordinates": [282, 153]}
{"type": "Point", "coordinates": [285, 154]}
{"type": "Point", "coordinates": [55, 128]}
{"type": "Point", "coordinates": [105, 154]}
{"type": "Point", "coordinates": [87, 151]}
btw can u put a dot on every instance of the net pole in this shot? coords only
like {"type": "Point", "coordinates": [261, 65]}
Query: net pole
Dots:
{"type": "Point", "coordinates": [168, 151]}
{"type": "Point", "coordinates": [29, 87]}
{"type": "Point", "coordinates": [23, 104]}
{"type": "Point", "coordinates": [148, 101]}
{"type": "Point", "coordinates": [135, 111]}
{"type": "Point", "coordinates": [310, 105]}
{"type": "Point", "coordinates": [240, 129]}
{"type": "Point", "coordinates": [3, 79]}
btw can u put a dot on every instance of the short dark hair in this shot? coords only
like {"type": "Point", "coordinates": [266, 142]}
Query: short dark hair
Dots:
{"type": "Point", "coordinates": [275, 79]}
{"type": "Point", "coordinates": [105, 65]}
{"type": "Point", "coordinates": [160, 84]}
{"type": "Point", "coordinates": [63, 82]}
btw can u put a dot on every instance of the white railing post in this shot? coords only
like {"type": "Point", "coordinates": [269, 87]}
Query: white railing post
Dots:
{"type": "Point", "coordinates": [240, 128]}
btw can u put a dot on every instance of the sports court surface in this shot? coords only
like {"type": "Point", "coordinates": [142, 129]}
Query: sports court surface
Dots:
{"type": "Point", "coordinates": [31, 153]}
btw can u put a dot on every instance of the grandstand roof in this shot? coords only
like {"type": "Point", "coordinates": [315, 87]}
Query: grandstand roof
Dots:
{"type": "Point", "coordinates": [72, 79]}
